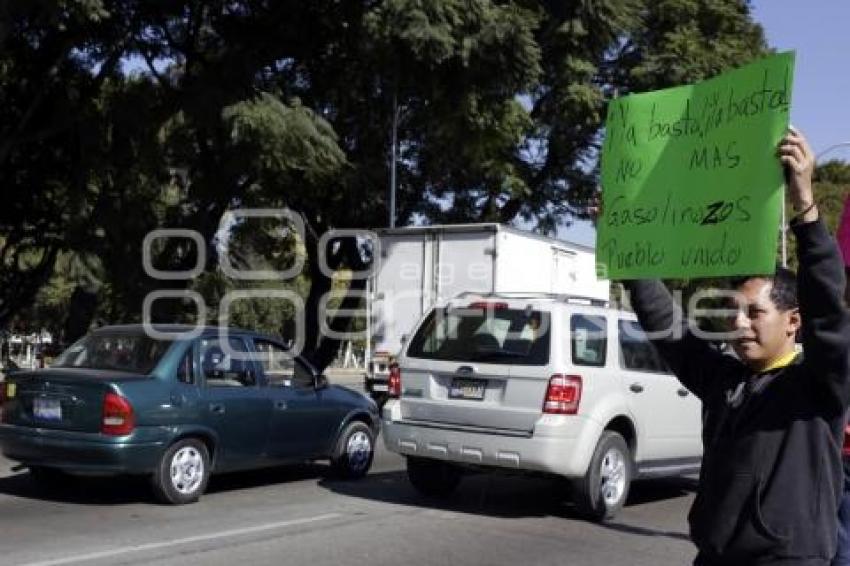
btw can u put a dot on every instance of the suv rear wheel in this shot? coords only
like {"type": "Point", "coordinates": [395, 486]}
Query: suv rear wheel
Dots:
{"type": "Point", "coordinates": [602, 492]}
{"type": "Point", "coordinates": [433, 478]}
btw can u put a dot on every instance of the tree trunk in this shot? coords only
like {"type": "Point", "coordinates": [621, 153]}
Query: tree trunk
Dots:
{"type": "Point", "coordinates": [81, 311]}
{"type": "Point", "coordinates": [319, 348]}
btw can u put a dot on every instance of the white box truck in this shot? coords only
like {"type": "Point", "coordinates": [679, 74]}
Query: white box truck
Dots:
{"type": "Point", "coordinates": [419, 267]}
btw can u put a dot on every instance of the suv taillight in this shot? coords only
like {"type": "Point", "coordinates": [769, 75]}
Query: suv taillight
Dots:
{"type": "Point", "coordinates": [394, 383]}
{"type": "Point", "coordinates": [117, 415]}
{"type": "Point", "coordinates": [563, 395]}
{"type": "Point", "coordinates": [845, 450]}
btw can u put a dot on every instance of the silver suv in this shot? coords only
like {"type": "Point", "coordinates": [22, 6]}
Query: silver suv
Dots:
{"type": "Point", "coordinates": [558, 385]}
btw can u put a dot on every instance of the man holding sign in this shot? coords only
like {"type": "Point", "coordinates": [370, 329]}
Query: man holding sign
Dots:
{"type": "Point", "coordinates": [772, 419]}
{"type": "Point", "coordinates": [692, 189]}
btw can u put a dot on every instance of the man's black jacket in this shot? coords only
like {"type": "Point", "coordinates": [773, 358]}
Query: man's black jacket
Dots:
{"type": "Point", "coordinates": [771, 475]}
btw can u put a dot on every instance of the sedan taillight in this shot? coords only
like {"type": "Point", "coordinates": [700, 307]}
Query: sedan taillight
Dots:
{"type": "Point", "coordinates": [118, 419]}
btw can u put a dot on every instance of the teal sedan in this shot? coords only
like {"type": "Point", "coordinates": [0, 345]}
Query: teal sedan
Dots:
{"type": "Point", "coordinates": [179, 409]}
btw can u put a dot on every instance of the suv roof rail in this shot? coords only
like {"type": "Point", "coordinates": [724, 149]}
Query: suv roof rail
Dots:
{"type": "Point", "coordinates": [565, 297]}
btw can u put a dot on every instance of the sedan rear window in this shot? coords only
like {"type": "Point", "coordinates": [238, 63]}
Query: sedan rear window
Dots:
{"type": "Point", "coordinates": [135, 353]}
{"type": "Point", "coordinates": [499, 335]}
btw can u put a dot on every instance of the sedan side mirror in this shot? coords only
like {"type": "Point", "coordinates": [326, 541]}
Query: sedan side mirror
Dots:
{"type": "Point", "coordinates": [321, 382]}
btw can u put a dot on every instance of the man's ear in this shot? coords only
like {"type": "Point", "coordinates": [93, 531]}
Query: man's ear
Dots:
{"type": "Point", "coordinates": [794, 321]}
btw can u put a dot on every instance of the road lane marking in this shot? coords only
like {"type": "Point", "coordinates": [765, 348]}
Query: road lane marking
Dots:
{"type": "Point", "coordinates": [185, 540]}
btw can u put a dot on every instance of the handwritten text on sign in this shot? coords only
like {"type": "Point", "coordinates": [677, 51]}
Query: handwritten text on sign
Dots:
{"type": "Point", "coordinates": [692, 186]}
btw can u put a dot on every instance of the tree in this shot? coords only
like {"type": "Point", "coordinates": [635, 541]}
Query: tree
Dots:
{"type": "Point", "coordinates": [55, 59]}
{"type": "Point", "coordinates": [510, 126]}
{"type": "Point", "coordinates": [252, 103]}
{"type": "Point", "coordinates": [833, 171]}
{"type": "Point", "coordinates": [831, 188]}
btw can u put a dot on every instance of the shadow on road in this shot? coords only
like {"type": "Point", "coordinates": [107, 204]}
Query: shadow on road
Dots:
{"type": "Point", "coordinates": [266, 476]}
{"type": "Point", "coordinates": [507, 496]}
{"type": "Point", "coordinates": [121, 490]}
{"type": "Point", "coordinates": [79, 490]}
{"type": "Point", "coordinates": [496, 495]}
{"type": "Point", "coordinates": [643, 531]}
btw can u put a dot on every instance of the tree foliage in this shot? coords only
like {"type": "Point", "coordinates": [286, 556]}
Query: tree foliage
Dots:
{"type": "Point", "coordinates": [832, 187]}
{"type": "Point", "coordinates": [122, 117]}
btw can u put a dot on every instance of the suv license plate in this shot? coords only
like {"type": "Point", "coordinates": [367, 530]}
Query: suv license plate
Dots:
{"type": "Point", "coordinates": [47, 409]}
{"type": "Point", "coordinates": [467, 389]}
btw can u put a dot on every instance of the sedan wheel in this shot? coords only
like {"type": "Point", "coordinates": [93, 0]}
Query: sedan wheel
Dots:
{"type": "Point", "coordinates": [187, 470]}
{"type": "Point", "coordinates": [183, 472]}
{"type": "Point", "coordinates": [354, 451]}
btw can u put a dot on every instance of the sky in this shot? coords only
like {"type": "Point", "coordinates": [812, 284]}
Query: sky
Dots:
{"type": "Point", "coordinates": [818, 31]}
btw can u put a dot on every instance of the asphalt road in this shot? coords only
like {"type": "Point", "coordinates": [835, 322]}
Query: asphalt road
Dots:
{"type": "Point", "coordinates": [299, 515]}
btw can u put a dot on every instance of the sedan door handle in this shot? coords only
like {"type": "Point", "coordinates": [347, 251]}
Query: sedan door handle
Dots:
{"type": "Point", "coordinates": [280, 405]}
{"type": "Point", "coordinates": [217, 408]}
{"type": "Point", "coordinates": [682, 392]}
{"type": "Point", "coordinates": [636, 387]}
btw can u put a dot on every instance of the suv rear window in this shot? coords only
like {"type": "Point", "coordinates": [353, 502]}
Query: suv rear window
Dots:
{"type": "Point", "coordinates": [589, 340]}
{"type": "Point", "coordinates": [499, 335]}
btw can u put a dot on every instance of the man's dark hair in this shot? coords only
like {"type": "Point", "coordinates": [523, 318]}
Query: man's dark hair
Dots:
{"type": "Point", "coordinates": [783, 291]}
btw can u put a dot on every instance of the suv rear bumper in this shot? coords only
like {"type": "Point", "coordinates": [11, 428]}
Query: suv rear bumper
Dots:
{"type": "Point", "coordinates": [559, 444]}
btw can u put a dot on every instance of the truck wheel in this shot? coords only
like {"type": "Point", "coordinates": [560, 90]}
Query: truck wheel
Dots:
{"type": "Point", "coordinates": [433, 478]}
{"type": "Point", "coordinates": [183, 472]}
{"type": "Point", "coordinates": [354, 451]}
{"type": "Point", "coordinates": [602, 492]}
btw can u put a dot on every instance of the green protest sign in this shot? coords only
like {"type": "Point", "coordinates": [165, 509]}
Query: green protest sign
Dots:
{"type": "Point", "coordinates": [692, 186]}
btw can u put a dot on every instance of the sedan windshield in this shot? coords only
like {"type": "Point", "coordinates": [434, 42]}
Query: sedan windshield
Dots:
{"type": "Point", "coordinates": [135, 353]}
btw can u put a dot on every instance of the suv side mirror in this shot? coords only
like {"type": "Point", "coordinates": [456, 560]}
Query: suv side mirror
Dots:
{"type": "Point", "coordinates": [320, 382]}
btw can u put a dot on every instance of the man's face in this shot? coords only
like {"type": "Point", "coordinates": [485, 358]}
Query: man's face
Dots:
{"type": "Point", "coordinates": [765, 332]}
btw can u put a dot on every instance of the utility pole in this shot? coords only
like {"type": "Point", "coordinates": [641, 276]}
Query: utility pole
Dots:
{"type": "Point", "coordinates": [393, 161]}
